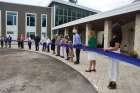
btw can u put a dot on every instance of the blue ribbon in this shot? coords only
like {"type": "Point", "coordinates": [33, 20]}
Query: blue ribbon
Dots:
{"type": "Point", "coordinates": [121, 57]}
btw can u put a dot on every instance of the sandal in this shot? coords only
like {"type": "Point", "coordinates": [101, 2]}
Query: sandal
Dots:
{"type": "Point", "coordinates": [88, 70]}
{"type": "Point", "coordinates": [94, 70]}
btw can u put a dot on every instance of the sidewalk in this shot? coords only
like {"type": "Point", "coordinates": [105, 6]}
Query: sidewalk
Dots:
{"type": "Point", "coordinates": [129, 76]}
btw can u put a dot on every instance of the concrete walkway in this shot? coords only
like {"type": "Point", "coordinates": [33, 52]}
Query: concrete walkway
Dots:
{"type": "Point", "coordinates": [28, 72]}
{"type": "Point", "coordinates": [129, 75]}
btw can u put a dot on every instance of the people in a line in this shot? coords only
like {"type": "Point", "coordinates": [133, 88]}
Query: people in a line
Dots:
{"type": "Point", "coordinates": [5, 41]}
{"type": "Point", "coordinates": [62, 48]}
{"type": "Point", "coordinates": [114, 47]}
{"type": "Point", "coordinates": [70, 53]}
{"type": "Point", "coordinates": [29, 43]}
{"type": "Point", "coordinates": [37, 41]}
{"type": "Point", "coordinates": [77, 44]}
{"type": "Point", "coordinates": [67, 48]}
{"type": "Point", "coordinates": [48, 44]}
{"type": "Point", "coordinates": [44, 44]}
{"type": "Point", "coordinates": [9, 41]}
{"type": "Point", "coordinates": [2, 41]}
{"type": "Point", "coordinates": [53, 45]}
{"type": "Point", "coordinates": [91, 55]}
{"type": "Point", "coordinates": [58, 45]}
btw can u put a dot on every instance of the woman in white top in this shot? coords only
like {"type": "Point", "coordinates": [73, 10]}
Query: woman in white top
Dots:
{"type": "Point", "coordinates": [48, 44]}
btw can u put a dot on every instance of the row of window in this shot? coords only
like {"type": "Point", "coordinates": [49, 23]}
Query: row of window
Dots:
{"type": "Point", "coordinates": [64, 14]}
{"type": "Point", "coordinates": [31, 19]}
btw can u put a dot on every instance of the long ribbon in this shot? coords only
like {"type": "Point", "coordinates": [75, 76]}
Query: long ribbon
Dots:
{"type": "Point", "coordinates": [121, 57]}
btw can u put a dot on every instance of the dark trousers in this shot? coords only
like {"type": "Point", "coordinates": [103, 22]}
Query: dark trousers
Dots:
{"type": "Point", "coordinates": [44, 47]}
{"type": "Point", "coordinates": [9, 44]}
{"type": "Point", "coordinates": [67, 52]}
{"type": "Point", "coordinates": [22, 44]}
{"type": "Point", "coordinates": [6, 44]}
{"type": "Point", "coordinates": [48, 48]}
{"type": "Point", "coordinates": [29, 45]}
{"type": "Point", "coordinates": [58, 50]}
{"type": "Point", "coordinates": [77, 55]}
{"type": "Point", "coordinates": [37, 46]}
{"type": "Point", "coordinates": [2, 43]}
{"type": "Point", "coordinates": [19, 44]}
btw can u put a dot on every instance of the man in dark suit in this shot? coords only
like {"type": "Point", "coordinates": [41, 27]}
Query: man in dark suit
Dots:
{"type": "Point", "coordinates": [37, 40]}
{"type": "Point", "coordinates": [2, 42]}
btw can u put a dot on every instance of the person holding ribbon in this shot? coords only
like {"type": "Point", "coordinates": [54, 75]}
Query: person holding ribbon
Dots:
{"type": "Point", "coordinates": [77, 44]}
{"type": "Point", "coordinates": [114, 47]}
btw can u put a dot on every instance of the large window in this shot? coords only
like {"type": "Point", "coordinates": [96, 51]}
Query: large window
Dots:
{"type": "Point", "coordinates": [30, 20]}
{"type": "Point", "coordinates": [11, 18]}
{"type": "Point", "coordinates": [64, 14]}
{"type": "Point", "coordinates": [43, 20]}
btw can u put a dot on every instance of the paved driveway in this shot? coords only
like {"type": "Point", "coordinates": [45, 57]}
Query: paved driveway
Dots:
{"type": "Point", "coordinates": [28, 72]}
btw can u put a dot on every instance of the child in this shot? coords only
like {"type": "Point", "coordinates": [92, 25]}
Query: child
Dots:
{"type": "Point", "coordinates": [71, 53]}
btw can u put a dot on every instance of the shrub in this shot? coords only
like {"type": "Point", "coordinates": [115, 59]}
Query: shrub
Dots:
{"type": "Point", "coordinates": [133, 54]}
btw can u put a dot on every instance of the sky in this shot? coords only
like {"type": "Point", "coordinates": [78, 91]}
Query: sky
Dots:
{"type": "Point", "coordinates": [102, 5]}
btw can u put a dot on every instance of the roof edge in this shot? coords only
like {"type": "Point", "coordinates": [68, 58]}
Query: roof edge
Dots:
{"type": "Point", "coordinates": [74, 5]}
{"type": "Point", "coordinates": [24, 4]}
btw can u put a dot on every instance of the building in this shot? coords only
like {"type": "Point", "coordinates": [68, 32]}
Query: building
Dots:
{"type": "Point", "coordinates": [28, 20]}
{"type": "Point", "coordinates": [64, 12]}
{"type": "Point", "coordinates": [128, 16]}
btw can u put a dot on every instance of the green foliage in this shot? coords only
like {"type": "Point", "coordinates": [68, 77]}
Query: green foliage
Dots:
{"type": "Point", "coordinates": [133, 54]}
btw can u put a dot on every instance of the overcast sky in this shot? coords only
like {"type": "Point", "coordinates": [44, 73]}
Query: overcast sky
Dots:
{"type": "Point", "coordinates": [102, 5]}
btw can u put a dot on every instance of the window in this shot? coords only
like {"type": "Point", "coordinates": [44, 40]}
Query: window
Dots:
{"type": "Point", "coordinates": [65, 12]}
{"type": "Point", "coordinates": [43, 20]}
{"type": "Point", "coordinates": [73, 13]}
{"type": "Point", "coordinates": [56, 20]}
{"type": "Point", "coordinates": [31, 34]}
{"type": "Point", "coordinates": [60, 20]}
{"type": "Point", "coordinates": [69, 19]}
{"type": "Point", "coordinates": [65, 19]}
{"type": "Point", "coordinates": [10, 32]}
{"type": "Point", "coordinates": [11, 18]}
{"type": "Point", "coordinates": [30, 20]}
{"type": "Point", "coordinates": [61, 11]}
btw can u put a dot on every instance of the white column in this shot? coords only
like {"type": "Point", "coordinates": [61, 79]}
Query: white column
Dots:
{"type": "Point", "coordinates": [107, 33]}
{"type": "Point", "coordinates": [65, 32]}
{"type": "Point", "coordinates": [88, 28]}
{"type": "Point", "coordinates": [51, 33]}
{"type": "Point", "coordinates": [0, 23]}
{"type": "Point", "coordinates": [137, 34]}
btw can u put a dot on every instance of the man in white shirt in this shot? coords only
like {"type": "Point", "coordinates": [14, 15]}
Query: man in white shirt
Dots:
{"type": "Point", "coordinates": [77, 43]}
